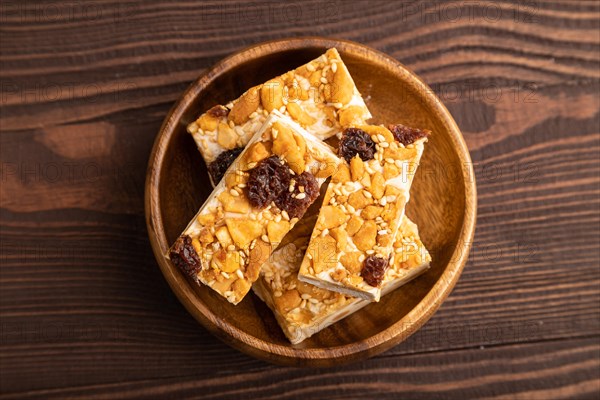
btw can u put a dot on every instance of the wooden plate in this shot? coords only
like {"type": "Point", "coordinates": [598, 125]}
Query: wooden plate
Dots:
{"type": "Point", "coordinates": [443, 203]}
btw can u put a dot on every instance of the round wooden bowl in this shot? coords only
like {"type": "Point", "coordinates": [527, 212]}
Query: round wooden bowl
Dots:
{"type": "Point", "coordinates": [443, 203]}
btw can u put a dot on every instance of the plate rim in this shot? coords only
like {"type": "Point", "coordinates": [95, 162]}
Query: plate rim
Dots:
{"type": "Point", "coordinates": [297, 356]}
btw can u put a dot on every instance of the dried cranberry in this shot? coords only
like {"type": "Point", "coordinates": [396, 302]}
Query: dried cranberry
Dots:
{"type": "Point", "coordinates": [373, 270]}
{"type": "Point", "coordinates": [294, 206]}
{"type": "Point", "coordinates": [218, 111]}
{"type": "Point", "coordinates": [356, 141]}
{"type": "Point", "coordinates": [184, 256]}
{"type": "Point", "coordinates": [267, 181]}
{"type": "Point", "coordinates": [217, 168]}
{"type": "Point", "coordinates": [407, 135]}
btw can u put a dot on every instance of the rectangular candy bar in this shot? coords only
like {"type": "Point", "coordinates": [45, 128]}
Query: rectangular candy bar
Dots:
{"type": "Point", "coordinates": [352, 241]}
{"type": "Point", "coordinates": [264, 193]}
{"type": "Point", "coordinates": [302, 309]}
{"type": "Point", "coordinates": [320, 96]}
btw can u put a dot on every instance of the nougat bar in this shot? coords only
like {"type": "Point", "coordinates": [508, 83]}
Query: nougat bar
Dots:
{"type": "Point", "coordinates": [263, 194]}
{"type": "Point", "coordinates": [363, 206]}
{"type": "Point", "coordinates": [302, 309]}
{"type": "Point", "coordinates": [320, 96]}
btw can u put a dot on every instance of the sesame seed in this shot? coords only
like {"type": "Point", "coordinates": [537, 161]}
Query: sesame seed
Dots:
{"type": "Point", "coordinates": [370, 251]}
{"type": "Point", "coordinates": [225, 274]}
{"type": "Point", "coordinates": [334, 67]}
{"type": "Point", "coordinates": [239, 274]}
{"type": "Point", "coordinates": [382, 232]}
{"type": "Point", "coordinates": [277, 293]}
{"type": "Point", "coordinates": [300, 196]}
{"type": "Point", "coordinates": [310, 67]}
{"type": "Point", "coordinates": [234, 192]}
{"type": "Point", "coordinates": [265, 238]}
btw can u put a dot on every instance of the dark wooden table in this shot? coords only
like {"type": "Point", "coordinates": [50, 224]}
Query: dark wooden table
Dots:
{"type": "Point", "coordinates": [85, 86]}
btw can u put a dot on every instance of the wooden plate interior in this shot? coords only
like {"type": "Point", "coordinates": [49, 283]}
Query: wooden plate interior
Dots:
{"type": "Point", "coordinates": [442, 203]}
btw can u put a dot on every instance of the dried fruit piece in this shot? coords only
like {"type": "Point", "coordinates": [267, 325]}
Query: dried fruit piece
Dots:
{"type": "Point", "coordinates": [246, 105]}
{"type": "Point", "coordinates": [217, 168]}
{"type": "Point", "coordinates": [296, 203]}
{"type": "Point", "coordinates": [267, 181]}
{"type": "Point", "coordinates": [218, 111]}
{"type": "Point", "coordinates": [407, 135]}
{"type": "Point", "coordinates": [357, 141]}
{"type": "Point", "coordinates": [373, 270]}
{"type": "Point", "coordinates": [184, 256]}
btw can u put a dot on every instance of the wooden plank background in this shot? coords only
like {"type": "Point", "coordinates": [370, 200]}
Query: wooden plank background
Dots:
{"type": "Point", "coordinates": [84, 309]}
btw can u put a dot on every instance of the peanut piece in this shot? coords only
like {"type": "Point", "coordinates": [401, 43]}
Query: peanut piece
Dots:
{"type": "Point", "coordinates": [271, 94]}
{"type": "Point", "coordinates": [331, 217]}
{"type": "Point", "coordinates": [246, 105]}
{"type": "Point", "coordinates": [365, 237]}
{"type": "Point", "coordinates": [206, 219]}
{"type": "Point", "coordinates": [351, 261]}
{"type": "Point", "coordinates": [258, 256]}
{"type": "Point", "coordinates": [277, 230]}
{"type": "Point", "coordinates": [289, 300]}
{"type": "Point", "coordinates": [352, 116]}
{"type": "Point", "coordinates": [298, 114]}
{"type": "Point", "coordinates": [226, 137]}
{"type": "Point", "coordinates": [324, 255]}
{"type": "Point", "coordinates": [377, 187]}
{"type": "Point", "coordinates": [357, 168]}
{"type": "Point", "coordinates": [354, 225]}
{"type": "Point", "coordinates": [243, 231]}
{"type": "Point", "coordinates": [342, 175]}
{"type": "Point", "coordinates": [358, 200]}
{"type": "Point", "coordinates": [371, 212]}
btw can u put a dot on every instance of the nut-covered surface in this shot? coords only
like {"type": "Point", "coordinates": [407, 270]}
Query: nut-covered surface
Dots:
{"type": "Point", "coordinates": [363, 206]}
{"type": "Point", "coordinates": [320, 96]}
{"type": "Point", "coordinates": [244, 219]}
{"type": "Point", "coordinates": [302, 309]}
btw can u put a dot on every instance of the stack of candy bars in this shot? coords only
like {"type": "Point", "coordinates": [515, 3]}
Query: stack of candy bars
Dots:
{"type": "Point", "coordinates": [268, 162]}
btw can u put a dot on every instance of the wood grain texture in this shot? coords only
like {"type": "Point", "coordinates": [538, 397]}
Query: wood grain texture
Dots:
{"type": "Point", "coordinates": [84, 309]}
